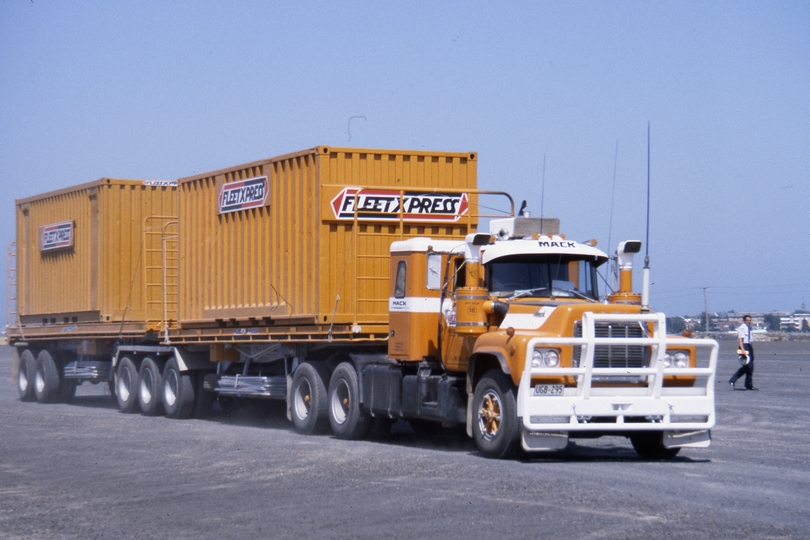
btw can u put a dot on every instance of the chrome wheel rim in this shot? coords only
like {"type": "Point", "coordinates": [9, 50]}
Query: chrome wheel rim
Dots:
{"type": "Point", "coordinates": [303, 399]}
{"type": "Point", "coordinates": [124, 384]}
{"type": "Point", "coordinates": [22, 380]}
{"type": "Point", "coordinates": [489, 415]}
{"type": "Point", "coordinates": [170, 388]}
{"type": "Point", "coordinates": [39, 379]}
{"type": "Point", "coordinates": [340, 402]}
{"type": "Point", "coordinates": [146, 386]}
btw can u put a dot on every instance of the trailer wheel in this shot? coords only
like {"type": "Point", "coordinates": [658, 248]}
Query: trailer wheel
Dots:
{"type": "Point", "coordinates": [178, 391]}
{"type": "Point", "coordinates": [346, 415]}
{"type": "Point", "coordinates": [309, 399]}
{"type": "Point", "coordinates": [46, 379]}
{"type": "Point", "coordinates": [650, 445]}
{"type": "Point", "coordinates": [126, 385]}
{"type": "Point", "coordinates": [496, 428]}
{"type": "Point", "coordinates": [150, 387]}
{"type": "Point", "coordinates": [26, 376]}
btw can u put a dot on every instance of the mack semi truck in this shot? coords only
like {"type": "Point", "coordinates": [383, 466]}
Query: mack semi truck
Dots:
{"type": "Point", "coordinates": [360, 287]}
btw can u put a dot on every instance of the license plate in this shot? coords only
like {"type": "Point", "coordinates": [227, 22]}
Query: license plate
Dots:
{"type": "Point", "coordinates": [548, 390]}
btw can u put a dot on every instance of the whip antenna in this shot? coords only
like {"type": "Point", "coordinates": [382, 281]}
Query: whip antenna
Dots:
{"type": "Point", "coordinates": [613, 262]}
{"type": "Point", "coordinates": [542, 192]}
{"type": "Point", "coordinates": [645, 284]}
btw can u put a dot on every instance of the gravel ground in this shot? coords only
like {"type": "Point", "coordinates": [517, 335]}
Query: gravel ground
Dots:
{"type": "Point", "coordinates": [86, 470]}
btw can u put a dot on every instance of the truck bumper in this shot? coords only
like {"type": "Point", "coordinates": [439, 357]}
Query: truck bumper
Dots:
{"type": "Point", "coordinates": [684, 414]}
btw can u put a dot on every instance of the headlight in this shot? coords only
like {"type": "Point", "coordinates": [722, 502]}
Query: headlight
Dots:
{"type": "Point", "coordinates": [545, 357]}
{"type": "Point", "coordinates": [678, 359]}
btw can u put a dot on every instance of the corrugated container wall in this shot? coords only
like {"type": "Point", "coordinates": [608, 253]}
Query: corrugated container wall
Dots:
{"type": "Point", "coordinates": [85, 253]}
{"type": "Point", "coordinates": [266, 242]}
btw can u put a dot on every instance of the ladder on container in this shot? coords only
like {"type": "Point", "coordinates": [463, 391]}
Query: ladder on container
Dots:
{"type": "Point", "coordinates": [161, 271]}
{"type": "Point", "coordinates": [12, 285]}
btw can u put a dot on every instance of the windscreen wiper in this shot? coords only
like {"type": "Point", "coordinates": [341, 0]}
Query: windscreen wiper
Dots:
{"type": "Point", "coordinates": [527, 292]}
{"type": "Point", "coordinates": [574, 293]}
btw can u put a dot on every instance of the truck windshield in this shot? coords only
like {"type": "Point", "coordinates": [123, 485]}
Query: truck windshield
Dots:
{"type": "Point", "coordinates": [537, 276]}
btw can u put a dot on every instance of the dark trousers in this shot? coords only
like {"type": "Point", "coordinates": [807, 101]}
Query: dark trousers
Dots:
{"type": "Point", "coordinates": [747, 369]}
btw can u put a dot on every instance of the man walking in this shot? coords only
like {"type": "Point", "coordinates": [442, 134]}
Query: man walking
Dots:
{"type": "Point", "coordinates": [744, 343]}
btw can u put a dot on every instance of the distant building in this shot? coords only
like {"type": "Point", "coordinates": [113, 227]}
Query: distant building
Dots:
{"type": "Point", "coordinates": [795, 321]}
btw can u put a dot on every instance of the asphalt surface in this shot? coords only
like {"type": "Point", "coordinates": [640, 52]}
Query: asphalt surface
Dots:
{"type": "Point", "coordinates": [86, 470]}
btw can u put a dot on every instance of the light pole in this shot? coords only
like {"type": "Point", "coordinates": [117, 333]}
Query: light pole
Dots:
{"type": "Point", "coordinates": [706, 307]}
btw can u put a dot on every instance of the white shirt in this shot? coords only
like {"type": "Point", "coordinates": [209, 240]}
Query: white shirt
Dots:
{"type": "Point", "coordinates": [744, 333]}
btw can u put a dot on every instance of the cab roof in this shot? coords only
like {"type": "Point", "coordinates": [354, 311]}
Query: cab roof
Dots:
{"type": "Point", "coordinates": [544, 245]}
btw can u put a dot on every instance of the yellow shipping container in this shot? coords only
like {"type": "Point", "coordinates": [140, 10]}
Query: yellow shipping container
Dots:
{"type": "Point", "coordinates": [93, 254]}
{"type": "Point", "coordinates": [302, 240]}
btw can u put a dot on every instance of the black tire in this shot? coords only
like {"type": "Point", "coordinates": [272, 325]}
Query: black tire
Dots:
{"type": "Point", "coordinates": [650, 445]}
{"type": "Point", "coordinates": [46, 379]}
{"type": "Point", "coordinates": [203, 399]}
{"type": "Point", "coordinates": [309, 399]}
{"type": "Point", "coordinates": [178, 391]}
{"type": "Point", "coordinates": [150, 388]}
{"type": "Point", "coordinates": [26, 376]}
{"type": "Point", "coordinates": [496, 428]}
{"type": "Point", "coordinates": [347, 417]}
{"type": "Point", "coordinates": [127, 382]}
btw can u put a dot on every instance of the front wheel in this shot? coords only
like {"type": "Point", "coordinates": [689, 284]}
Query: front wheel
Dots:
{"type": "Point", "coordinates": [308, 401]}
{"type": "Point", "coordinates": [650, 445]}
{"type": "Point", "coordinates": [178, 391]}
{"type": "Point", "coordinates": [496, 429]}
{"type": "Point", "coordinates": [346, 415]}
{"type": "Point", "coordinates": [26, 375]}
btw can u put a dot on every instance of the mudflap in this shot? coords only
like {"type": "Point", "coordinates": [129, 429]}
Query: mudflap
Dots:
{"type": "Point", "coordinates": [701, 438]}
{"type": "Point", "coordinates": [543, 441]}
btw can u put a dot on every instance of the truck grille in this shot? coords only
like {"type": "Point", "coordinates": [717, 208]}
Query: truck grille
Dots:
{"type": "Point", "coordinates": [615, 356]}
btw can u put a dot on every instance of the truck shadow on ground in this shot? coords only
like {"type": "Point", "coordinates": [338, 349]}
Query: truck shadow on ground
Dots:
{"type": "Point", "coordinates": [272, 415]}
{"type": "Point", "coordinates": [95, 402]}
{"type": "Point", "coordinates": [433, 437]}
{"type": "Point", "coordinates": [618, 451]}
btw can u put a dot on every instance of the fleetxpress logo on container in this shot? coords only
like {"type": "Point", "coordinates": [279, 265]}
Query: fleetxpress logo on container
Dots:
{"type": "Point", "coordinates": [384, 204]}
{"type": "Point", "coordinates": [242, 195]}
{"type": "Point", "coordinates": [56, 236]}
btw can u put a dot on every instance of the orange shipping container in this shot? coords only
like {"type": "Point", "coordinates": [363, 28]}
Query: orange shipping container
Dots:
{"type": "Point", "coordinates": [92, 254]}
{"type": "Point", "coordinates": [290, 242]}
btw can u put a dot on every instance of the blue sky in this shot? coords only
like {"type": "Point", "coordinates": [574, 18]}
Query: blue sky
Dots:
{"type": "Point", "coordinates": [166, 89]}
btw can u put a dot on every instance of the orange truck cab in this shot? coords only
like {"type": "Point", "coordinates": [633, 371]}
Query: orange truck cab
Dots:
{"type": "Point", "coordinates": [517, 313]}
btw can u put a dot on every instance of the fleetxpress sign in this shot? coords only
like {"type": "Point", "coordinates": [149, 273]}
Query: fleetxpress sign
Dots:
{"type": "Point", "coordinates": [56, 236]}
{"type": "Point", "coordinates": [242, 195]}
{"type": "Point", "coordinates": [384, 204]}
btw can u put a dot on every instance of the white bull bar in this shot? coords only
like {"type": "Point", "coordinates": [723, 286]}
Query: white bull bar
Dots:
{"type": "Point", "coordinates": [684, 414]}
